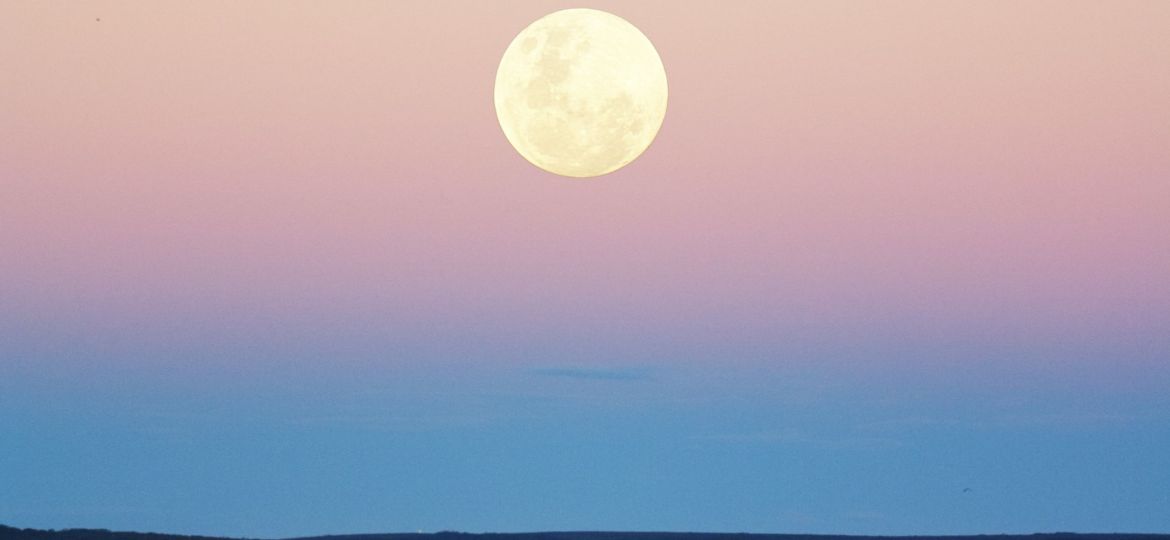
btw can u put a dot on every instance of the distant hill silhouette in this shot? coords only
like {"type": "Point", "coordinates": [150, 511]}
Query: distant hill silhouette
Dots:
{"type": "Point", "coordinates": [12, 533]}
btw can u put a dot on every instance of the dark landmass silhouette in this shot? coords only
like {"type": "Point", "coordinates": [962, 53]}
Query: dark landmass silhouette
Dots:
{"type": "Point", "coordinates": [12, 533]}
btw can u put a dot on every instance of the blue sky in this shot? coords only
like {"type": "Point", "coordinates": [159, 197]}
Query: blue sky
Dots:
{"type": "Point", "coordinates": [272, 268]}
{"type": "Point", "coordinates": [292, 450]}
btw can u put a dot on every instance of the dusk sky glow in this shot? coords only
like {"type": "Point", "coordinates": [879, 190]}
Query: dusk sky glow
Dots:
{"type": "Point", "coordinates": [271, 268]}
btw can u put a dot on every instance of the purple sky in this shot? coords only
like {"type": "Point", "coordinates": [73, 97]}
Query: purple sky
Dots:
{"type": "Point", "coordinates": [271, 268]}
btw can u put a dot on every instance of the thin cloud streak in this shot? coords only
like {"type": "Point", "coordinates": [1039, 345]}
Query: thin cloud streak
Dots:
{"type": "Point", "coordinates": [595, 374]}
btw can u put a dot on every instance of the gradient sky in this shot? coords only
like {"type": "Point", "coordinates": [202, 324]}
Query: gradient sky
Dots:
{"type": "Point", "coordinates": [271, 268]}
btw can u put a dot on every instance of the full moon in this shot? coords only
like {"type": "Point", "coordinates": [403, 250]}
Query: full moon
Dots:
{"type": "Point", "coordinates": [580, 93]}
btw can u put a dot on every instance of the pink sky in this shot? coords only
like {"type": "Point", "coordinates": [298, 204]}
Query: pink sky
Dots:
{"type": "Point", "coordinates": [938, 171]}
{"type": "Point", "coordinates": [270, 269]}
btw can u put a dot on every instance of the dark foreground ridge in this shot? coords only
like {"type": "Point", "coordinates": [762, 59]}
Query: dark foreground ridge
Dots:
{"type": "Point", "coordinates": [11, 533]}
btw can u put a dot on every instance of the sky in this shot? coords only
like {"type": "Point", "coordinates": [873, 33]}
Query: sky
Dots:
{"type": "Point", "coordinates": [271, 269]}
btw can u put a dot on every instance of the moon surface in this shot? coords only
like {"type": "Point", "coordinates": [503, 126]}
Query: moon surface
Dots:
{"type": "Point", "coordinates": [580, 93]}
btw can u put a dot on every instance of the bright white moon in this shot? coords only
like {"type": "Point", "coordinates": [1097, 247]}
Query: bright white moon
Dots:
{"type": "Point", "coordinates": [580, 93]}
